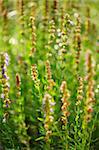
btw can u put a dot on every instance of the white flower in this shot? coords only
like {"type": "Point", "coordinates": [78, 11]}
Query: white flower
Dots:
{"type": "Point", "coordinates": [12, 14]}
{"type": "Point", "coordinates": [71, 22]}
{"type": "Point", "coordinates": [51, 118]}
{"type": "Point", "coordinates": [13, 41]}
{"type": "Point", "coordinates": [51, 110]}
{"type": "Point", "coordinates": [59, 34]}
{"type": "Point", "coordinates": [56, 47]}
{"type": "Point", "coordinates": [58, 30]}
{"type": "Point", "coordinates": [60, 44]}
{"type": "Point", "coordinates": [2, 96]}
{"type": "Point", "coordinates": [4, 120]}
{"type": "Point", "coordinates": [76, 15]}
{"type": "Point", "coordinates": [52, 103]}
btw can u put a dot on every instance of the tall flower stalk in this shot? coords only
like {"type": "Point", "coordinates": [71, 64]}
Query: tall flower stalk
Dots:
{"type": "Point", "coordinates": [65, 110]}
{"type": "Point", "coordinates": [4, 62]}
{"type": "Point", "coordinates": [89, 101]}
{"type": "Point", "coordinates": [48, 108]}
{"type": "Point", "coordinates": [89, 104]}
{"type": "Point", "coordinates": [5, 25]}
{"type": "Point", "coordinates": [48, 105]}
{"type": "Point", "coordinates": [87, 22]}
{"type": "Point", "coordinates": [21, 15]}
{"type": "Point", "coordinates": [21, 129]}
{"type": "Point", "coordinates": [51, 82]}
{"type": "Point", "coordinates": [78, 110]}
{"type": "Point", "coordinates": [80, 91]}
{"type": "Point", "coordinates": [46, 14]}
{"type": "Point", "coordinates": [77, 42]}
{"type": "Point", "coordinates": [33, 28]}
{"type": "Point", "coordinates": [34, 75]}
{"type": "Point", "coordinates": [65, 102]}
{"type": "Point", "coordinates": [55, 10]}
{"type": "Point", "coordinates": [18, 85]}
{"type": "Point", "coordinates": [51, 37]}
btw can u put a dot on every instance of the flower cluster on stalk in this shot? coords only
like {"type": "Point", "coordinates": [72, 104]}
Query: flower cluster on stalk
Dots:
{"type": "Point", "coordinates": [48, 108]}
{"type": "Point", "coordinates": [51, 82]}
{"type": "Point", "coordinates": [18, 84]}
{"type": "Point", "coordinates": [46, 14]}
{"type": "Point", "coordinates": [21, 129]}
{"type": "Point", "coordinates": [34, 75]}
{"type": "Point", "coordinates": [5, 25]}
{"type": "Point", "coordinates": [55, 10]}
{"type": "Point", "coordinates": [4, 62]}
{"type": "Point", "coordinates": [33, 28]}
{"type": "Point", "coordinates": [80, 91]}
{"type": "Point", "coordinates": [51, 37]}
{"type": "Point", "coordinates": [87, 22]}
{"type": "Point", "coordinates": [62, 35]}
{"type": "Point", "coordinates": [21, 14]}
{"type": "Point", "coordinates": [77, 41]}
{"type": "Point", "coordinates": [90, 88]}
{"type": "Point", "coordinates": [65, 102]}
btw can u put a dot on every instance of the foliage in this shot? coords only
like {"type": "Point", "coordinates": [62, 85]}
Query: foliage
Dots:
{"type": "Point", "coordinates": [49, 85]}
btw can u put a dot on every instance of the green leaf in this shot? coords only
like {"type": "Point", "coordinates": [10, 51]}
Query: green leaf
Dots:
{"type": "Point", "coordinates": [40, 138]}
{"type": "Point", "coordinates": [40, 119]}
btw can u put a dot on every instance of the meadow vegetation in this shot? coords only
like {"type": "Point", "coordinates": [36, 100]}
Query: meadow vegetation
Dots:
{"type": "Point", "coordinates": [49, 74]}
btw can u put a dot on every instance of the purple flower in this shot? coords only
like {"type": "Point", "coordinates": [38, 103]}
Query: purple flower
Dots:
{"type": "Point", "coordinates": [3, 71]}
{"type": "Point", "coordinates": [5, 76]}
{"type": "Point", "coordinates": [6, 62]}
{"type": "Point", "coordinates": [6, 59]}
{"type": "Point", "coordinates": [6, 86]}
{"type": "Point", "coordinates": [2, 96]}
{"type": "Point", "coordinates": [7, 105]}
